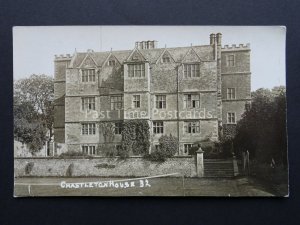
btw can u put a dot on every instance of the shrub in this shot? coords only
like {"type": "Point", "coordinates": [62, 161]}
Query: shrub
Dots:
{"type": "Point", "coordinates": [156, 156]}
{"type": "Point", "coordinates": [168, 146]}
{"type": "Point", "coordinates": [73, 154]}
{"type": "Point", "coordinates": [29, 167]}
{"type": "Point", "coordinates": [108, 150]}
{"type": "Point", "coordinates": [70, 170]}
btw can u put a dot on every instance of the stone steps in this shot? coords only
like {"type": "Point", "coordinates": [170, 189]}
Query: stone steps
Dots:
{"type": "Point", "coordinates": [218, 168]}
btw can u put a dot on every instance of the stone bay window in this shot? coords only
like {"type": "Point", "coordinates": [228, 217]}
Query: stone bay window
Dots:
{"type": "Point", "coordinates": [191, 70]}
{"type": "Point", "coordinates": [136, 70]}
{"type": "Point", "coordinates": [160, 101]}
{"type": "Point", "coordinates": [192, 127]}
{"type": "Point", "coordinates": [88, 75]}
{"type": "Point", "coordinates": [88, 103]}
{"type": "Point", "coordinates": [158, 127]}
{"type": "Point", "coordinates": [231, 118]}
{"type": "Point", "coordinates": [88, 129]}
{"type": "Point", "coordinates": [136, 101]}
{"type": "Point", "coordinates": [191, 101]}
{"type": "Point", "coordinates": [116, 102]}
{"type": "Point", "coordinates": [88, 149]}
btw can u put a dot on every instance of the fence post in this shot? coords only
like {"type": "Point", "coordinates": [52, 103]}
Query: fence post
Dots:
{"type": "Point", "coordinates": [235, 166]}
{"type": "Point", "coordinates": [200, 162]}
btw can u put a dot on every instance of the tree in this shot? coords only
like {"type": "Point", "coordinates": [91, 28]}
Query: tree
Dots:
{"type": "Point", "coordinates": [33, 110]}
{"type": "Point", "coordinates": [262, 129]}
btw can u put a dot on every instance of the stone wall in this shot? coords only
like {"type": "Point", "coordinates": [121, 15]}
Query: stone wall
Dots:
{"type": "Point", "coordinates": [105, 167]}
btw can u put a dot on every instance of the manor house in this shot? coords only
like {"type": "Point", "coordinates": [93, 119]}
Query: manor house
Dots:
{"type": "Point", "coordinates": [194, 93]}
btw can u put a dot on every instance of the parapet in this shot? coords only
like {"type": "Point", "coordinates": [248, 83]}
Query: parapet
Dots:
{"type": "Point", "coordinates": [234, 47]}
{"type": "Point", "coordinates": [63, 57]}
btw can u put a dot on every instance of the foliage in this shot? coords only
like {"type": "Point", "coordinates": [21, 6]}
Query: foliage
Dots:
{"type": "Point", "coordinates": [70, 170]}
{"type": "Point", "coordinates": [73, 154]}
{"type": "Point", "coordinates": [168, 146]}
{"type": "Point", "coordinates": [29, 167]}
{"type": "Point", "coordinates": [108, 150]}
{"type": "Point", "coordinates": [156, 156]}
{"type": "Point", "coordinates": [262, 129]}
{"type": "Point", "coordinates": [135, 138]}
{"type": "Point", "coordinates": [108, 130]}
{"type": "Point", "coordinates": [33, 111]}
{"type": "Point", "coordinates": [142, 136]}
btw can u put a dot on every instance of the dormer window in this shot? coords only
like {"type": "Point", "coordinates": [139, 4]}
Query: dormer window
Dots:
{"type": "Point", "coordinates": [135, 57]}
{"type": "Point", "coordinates": [166, 59]}
{"type": "Point", "coordinates": [111, 62]}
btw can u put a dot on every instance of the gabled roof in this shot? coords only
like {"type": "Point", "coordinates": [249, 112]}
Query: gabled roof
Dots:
{"type": "Point", "coordinates": [111, 55]}
{"type": "Point", "coordinates": [136, 52]}
{"type": "Point", "coordinates": [191, 52]}
{"type": "Point", "coordinates": [204, 52]}
{"type": "Point", "coordinates": [88, 55]}
{"type": "Point", "coordinates": [165, 51]}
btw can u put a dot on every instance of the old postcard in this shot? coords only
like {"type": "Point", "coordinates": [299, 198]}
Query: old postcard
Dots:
{"type": "Point", "coordinates": [150, 111]}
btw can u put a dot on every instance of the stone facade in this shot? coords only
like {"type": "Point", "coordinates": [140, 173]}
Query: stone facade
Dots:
{"type": "Point", "coordinates": [188, 91]}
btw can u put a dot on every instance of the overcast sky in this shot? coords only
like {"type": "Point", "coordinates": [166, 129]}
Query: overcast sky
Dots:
{"type": "Point", "coordinates": [34, 47]}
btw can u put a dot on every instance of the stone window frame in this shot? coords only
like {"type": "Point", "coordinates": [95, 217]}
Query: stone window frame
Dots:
{"type": "Point", "coordinates": [88, 128]}
{"type": "Point", "coordinates": [111, 62]}
{"type": "Point", "coordinates": [136, 101]}
{"type": "Point", "coordinates": [160, 101]}
{"type": "Point", "coordinates": [187, 151]}
{"type": "Point", "coordinates": [86, 76]}
{"type": "Point", "coordinates": [192, 127]}
{"type": "Point", "coordinates": [136, 70]}
{"type": "Point", "coordinates": [116, 102]}
{"type": "Point", "coordinates": [158, 127]}
{"type": "Point", "coordinates": [88, 103]}
{"type": "Point", "coordinates": [231, 95]}
{"type": "Point", "coordinates": [118, 127]}
{"type": "Point", "coordinates": [231, 118]}
{"type": "Point", "coordinates": [192, 102]}
{"type": "Point", "coordinates": [166, 58]}
{"type": "Point", "coordinates": [89, 149]}
{"type": "Point", "coordinates": [191, 70]}
{"type": "Point", "coordinates": [230, 62]}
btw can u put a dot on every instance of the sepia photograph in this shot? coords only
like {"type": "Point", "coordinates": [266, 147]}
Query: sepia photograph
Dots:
{"type": "Point", "coordinates": [150, 111]}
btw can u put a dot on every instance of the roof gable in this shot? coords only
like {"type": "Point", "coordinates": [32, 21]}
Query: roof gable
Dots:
{"type": "Point", "coordinates": [135, 56]}
{"type": "Point", "coordinates": [191, 56]}
{"type": "Point", "coordinates": [111, 57]}
{"type": "Point", "coordinates": [163, 55]}
{"type": "Point", "coordinates": [88, 61]}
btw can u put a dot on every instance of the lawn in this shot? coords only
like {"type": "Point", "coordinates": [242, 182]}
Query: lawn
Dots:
{"type": "Point", "coordinates": [163, 186]}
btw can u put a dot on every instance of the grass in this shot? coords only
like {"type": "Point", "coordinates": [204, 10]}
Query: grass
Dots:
{"type": "Point", "coordinates": [167, 186]}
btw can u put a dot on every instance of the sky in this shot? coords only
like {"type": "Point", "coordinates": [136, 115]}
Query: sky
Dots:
{"type": "Point", "coordinates": [34, 47]}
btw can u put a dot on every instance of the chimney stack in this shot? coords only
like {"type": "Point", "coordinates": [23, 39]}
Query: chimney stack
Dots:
{"type": "Point", "coordinates": [146, 44]}
{"type": "Point", "coordinates": [212, 39]}
{"type": "Point", "coordinates": [219, 38]}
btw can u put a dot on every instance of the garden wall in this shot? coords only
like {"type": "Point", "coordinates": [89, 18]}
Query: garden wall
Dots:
{"type": "Point", "coordinates": [104, 167]}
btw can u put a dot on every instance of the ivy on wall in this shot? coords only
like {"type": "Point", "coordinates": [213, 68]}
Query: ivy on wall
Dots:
{"type": "Point", "coordinates": [135, 138]}
{"type": "Point", "coordinates": [108, 130]}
